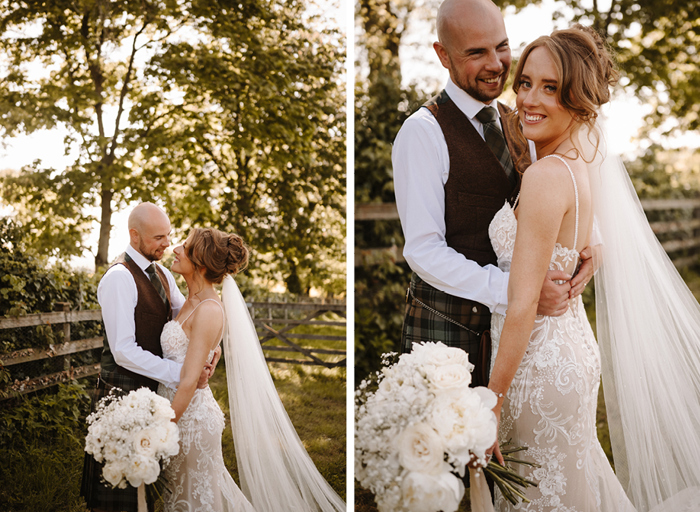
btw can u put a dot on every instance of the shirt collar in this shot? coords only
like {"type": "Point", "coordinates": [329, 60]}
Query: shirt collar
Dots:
{"type": "Point", "coordinates": [469, 106]}
{"type": "Point", "coordinates": [138, 258]}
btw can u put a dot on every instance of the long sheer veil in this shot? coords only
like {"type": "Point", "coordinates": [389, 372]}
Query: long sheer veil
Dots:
{"type": "Point", "coordinates": [276, 472]}
{"type": "Point", "coordinates": [648, 326]}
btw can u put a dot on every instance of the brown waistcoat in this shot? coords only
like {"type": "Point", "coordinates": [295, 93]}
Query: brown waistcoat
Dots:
{"type": "Point", "coordinates": [150, 315]}
{"type": "Point", "coordinates": [477, 186]}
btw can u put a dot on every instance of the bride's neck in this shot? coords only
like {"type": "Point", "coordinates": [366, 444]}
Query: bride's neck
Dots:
{"type": "Point", "coordinates": [197, 286]}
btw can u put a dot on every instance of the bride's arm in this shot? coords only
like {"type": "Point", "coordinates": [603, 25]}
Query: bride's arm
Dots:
{"type": "Point", "coordinates": [545, 197]}
{"type": "Point", "coordinates": [205, 329]}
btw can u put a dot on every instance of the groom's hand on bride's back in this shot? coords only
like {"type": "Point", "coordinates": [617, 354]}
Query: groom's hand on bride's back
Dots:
{"type": "Point", "coordinates": [590, 261]}
{"type": "Point", "coordinates": [554, 296]}
{"type": "Point", "coordinates": [208, 369]}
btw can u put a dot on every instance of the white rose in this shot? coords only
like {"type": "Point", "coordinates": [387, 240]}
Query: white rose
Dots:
{"type": "Point", "coordinates": [428, 493]}
{"type": "Point", "coordinates": [448, 378]}
{"type": "Point", "coordinates": [142, 470]}
{"type": "Point", "coordinates": [144, 442]}
{"type": "Point", "coordinates": [421, 449]}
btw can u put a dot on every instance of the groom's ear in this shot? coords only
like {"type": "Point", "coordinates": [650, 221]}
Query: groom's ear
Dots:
{"type": "Point", "coordinates": [133, 236]}
{"type": "Point", "coordinates": [442, 54]}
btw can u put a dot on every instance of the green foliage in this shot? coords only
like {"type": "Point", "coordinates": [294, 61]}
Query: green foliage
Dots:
{"type": "Point", "coordinates": [666, 174]}
{"type": "Point", "coordinates": [28, 284]}
{"type": "Point", "coordinates": [41, 451]}
{"type": "Point", "coordinates": [229, 113]}
{"type": "Point", "coordinates": [381, 107]}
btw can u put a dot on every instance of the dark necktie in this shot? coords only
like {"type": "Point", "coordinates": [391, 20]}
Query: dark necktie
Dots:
{"type": "Point", "coordinates": [496, 141]}
{"type": "Point", "coordinates": [157, 284]}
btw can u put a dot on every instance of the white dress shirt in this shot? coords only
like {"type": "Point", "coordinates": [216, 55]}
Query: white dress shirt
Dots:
{"type": "Point", "coordinates": [118, 296]}
{"type": "Point", "coordinates": [421, 167]}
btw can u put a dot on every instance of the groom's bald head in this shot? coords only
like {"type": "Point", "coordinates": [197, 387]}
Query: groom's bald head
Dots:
{"type": "Point", "coordinates": [473, 45]}
{"type": "Point", "coordinates": [149, 231]}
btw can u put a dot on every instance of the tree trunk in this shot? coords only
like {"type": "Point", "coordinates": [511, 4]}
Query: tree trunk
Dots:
{"type": "Point", "coordinates": [102, 257]}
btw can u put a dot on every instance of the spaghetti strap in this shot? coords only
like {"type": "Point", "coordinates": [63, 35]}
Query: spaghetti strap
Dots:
{"type": "Point", "coordinates": [575, 193]}
{"type": "Point", "coordinates": [195, 309]}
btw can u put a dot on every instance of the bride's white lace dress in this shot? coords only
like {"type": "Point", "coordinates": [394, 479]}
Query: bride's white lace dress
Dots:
{"type": "Point", "coordinates": [550, 406]}
{"type": "Point", "coordinates": [198, 480]}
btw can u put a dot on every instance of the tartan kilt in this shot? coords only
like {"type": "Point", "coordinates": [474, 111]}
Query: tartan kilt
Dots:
{"type": "Point", "coordinates": [420, 324]}
{"type": "Point", "coordinates": [100, 495]}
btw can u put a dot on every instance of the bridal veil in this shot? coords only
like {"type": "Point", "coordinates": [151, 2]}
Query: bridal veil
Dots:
{"type": "Point", "coordinates": [648, 326]}
{"type": "Point", "coordinates": [276, 472]}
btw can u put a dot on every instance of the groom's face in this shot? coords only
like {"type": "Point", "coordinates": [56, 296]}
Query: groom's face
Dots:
{"type": "Point", "coordinates": [154, 238]}
{"type": "Point", "coordinates": [477, 54]}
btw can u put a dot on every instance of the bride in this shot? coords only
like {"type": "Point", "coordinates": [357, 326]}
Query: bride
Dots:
{"type": "Point", "coordinates": [546, 370]}
{"type": "Point", "coordinates": [276, 472]}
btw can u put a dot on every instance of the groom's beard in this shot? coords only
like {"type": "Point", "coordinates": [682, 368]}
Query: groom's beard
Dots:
{"type": "Point", "coordinates": [153, 255]}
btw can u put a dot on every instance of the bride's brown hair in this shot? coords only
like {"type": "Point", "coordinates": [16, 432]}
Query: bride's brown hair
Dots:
{"type": "Point", "coordinates": [218, 252]}
{"type": "Point", "coordinates": [585, 67]}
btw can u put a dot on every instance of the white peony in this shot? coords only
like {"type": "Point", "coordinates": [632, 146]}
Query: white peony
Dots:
{"type": "Point", "coordinates": [421, 449]}
{"type": "Point", "coordinates": [420, 426]}
{"type": "Point", "coordinates": [439, 354]}
{"type": "Point", "coordinates": [113, 473]}
{"type": "Point", "coordinates": [448, 378]}
{"type": "Point", "coordinates": [142, 470]}
{"type": "Point", "coordinates": [131, 435]}
{"type": "Point", "coordinates": [428, 493]}
{"type": "Point", "coordinates": [465, 424]}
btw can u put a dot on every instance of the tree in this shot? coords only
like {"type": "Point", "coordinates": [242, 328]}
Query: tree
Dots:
{"type": "Point", "coordinates": [229, 113]}
{"type": "Point", "coordinates": [381, 106]}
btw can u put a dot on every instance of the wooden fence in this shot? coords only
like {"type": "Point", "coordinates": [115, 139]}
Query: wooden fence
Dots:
{"type": "Point", "coordinates": [681, 238]}
{"type": "Point", "coordinates": [273, 324]}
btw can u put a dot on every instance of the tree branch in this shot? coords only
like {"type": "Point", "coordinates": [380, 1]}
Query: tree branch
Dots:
{"type": "Point", "coordinates": [125, 88]}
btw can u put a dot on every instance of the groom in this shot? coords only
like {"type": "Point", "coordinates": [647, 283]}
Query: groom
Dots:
{"type": "Point", "coordinates": [456, 162]}
{"type": "Point", "coordinates": [137, 297]}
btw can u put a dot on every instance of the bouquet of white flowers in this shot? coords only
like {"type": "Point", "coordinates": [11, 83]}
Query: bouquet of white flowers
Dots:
{"type": "Point", "coordinates": [421, 428]}
{"type": "Point", "coordinates": [131, 435]}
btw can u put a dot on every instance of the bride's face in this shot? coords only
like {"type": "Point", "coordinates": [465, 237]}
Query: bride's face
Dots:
{"type": "Point", "coordinates": [182, 264]}
{"type": "Point", "coordinates": [544, 120]}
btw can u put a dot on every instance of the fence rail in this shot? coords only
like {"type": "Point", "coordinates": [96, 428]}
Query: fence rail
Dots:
{"type": "Point", "coordinates": [675, 230]}
{"type": "Point", "coordinates": [270, 326]}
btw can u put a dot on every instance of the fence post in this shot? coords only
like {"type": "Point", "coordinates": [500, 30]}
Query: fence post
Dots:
{"type": "Point", "coordinates": [65, 307]}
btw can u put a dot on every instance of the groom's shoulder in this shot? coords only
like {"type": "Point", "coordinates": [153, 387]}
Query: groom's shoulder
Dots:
{"type": "Point", "coordinates": [117, 272]}
{"type": "Point", "coordinates": [505, 109]}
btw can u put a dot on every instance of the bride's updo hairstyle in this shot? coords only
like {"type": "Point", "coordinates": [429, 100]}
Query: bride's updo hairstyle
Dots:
{"type": "Point", "coordinates": [218, 252]}
{"type": "Point", "coordinates": [585, 67]}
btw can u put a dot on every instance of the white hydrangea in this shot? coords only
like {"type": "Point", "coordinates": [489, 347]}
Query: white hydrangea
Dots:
{"type": "Point", "coordinates": [131, 435]}
{"type": "Point", "coordinates": [422, 414]}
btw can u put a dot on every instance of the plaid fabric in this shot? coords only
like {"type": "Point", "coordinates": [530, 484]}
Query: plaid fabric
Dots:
{"type": "Point", "coordinates": [420, 324]}
{"type": "Point", "coordinates": [98, 495]}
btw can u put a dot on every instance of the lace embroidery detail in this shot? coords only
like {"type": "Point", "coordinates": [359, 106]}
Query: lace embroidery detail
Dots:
{"type": "Point", "coordinates": [197, 477]}
{"type": "Point", "coordinates": [551, 404]}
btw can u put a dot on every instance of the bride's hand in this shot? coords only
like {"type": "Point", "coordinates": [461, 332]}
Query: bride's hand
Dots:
{"type": "Point", "coordinates": [495, 450]}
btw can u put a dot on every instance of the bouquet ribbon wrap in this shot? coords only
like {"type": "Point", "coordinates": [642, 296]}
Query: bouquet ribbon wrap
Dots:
{"type": "Point", "coordinates": [480, 494]}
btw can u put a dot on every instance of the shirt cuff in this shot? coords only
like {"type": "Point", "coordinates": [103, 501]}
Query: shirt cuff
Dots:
{"type": "Point", "coordinates": [502, 306]}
